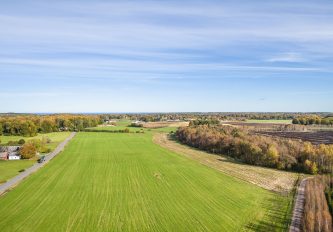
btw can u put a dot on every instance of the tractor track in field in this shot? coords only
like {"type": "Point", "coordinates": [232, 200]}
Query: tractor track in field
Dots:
{"type": "Point", "coordinates": [5, 187]}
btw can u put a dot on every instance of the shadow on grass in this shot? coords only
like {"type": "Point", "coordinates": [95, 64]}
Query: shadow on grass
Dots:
{"type": "Point", "coordinates": [277, 217]}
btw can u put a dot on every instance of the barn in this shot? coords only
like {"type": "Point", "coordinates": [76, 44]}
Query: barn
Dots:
{"type": "Point", "coordinates": [10, 152]}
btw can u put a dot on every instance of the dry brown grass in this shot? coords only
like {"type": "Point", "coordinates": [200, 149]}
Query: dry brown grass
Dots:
{"type": "Point", "coordinates": [164, 124]}
{"type": "Point", "coordinates": [274, 180]}
{"type": "Point", "coordinates": [316, 213]}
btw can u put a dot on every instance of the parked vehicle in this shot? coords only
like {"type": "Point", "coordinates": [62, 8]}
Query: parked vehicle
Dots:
{"type": "Point", "coordinates": [41, 159]}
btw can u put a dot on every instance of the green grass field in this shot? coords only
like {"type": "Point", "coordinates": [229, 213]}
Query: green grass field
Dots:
{"type": "Point", "coordinates": [11, 168]}
{"type": "Point", "coordinates": [124, 182]}
{"type": "Point", "coordinates": [270, 121]}
{"type": "Point", "coordinates": [123, 124]}
{"type": "Point", "coordinates": [120, 125]}
{"type": "Point", "coordinates": [56, 138]}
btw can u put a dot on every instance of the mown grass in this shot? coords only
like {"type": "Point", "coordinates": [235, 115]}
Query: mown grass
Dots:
{"type": "Point", "coordinates": [56, 138]}
{"type": "Point", "coordinates": [124, 182]}
{"type": "Point", "coordinates": [123, 124]}
{"type": "Point", "coordinates": [11, 168]}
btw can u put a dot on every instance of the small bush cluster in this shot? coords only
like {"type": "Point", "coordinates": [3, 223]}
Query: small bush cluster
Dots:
{"type": "Point", "coordinates": [16, 143]}
{"type": "Point", "coordinates": [205, 121]}
{"type": "Point", "coordinates": [30, 148]}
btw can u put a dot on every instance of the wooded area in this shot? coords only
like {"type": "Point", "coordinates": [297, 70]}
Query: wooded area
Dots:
{"type": "Point", "coordinates": [30, 125]}
{"type": "Point", "coordinates": [259, 150]}
{"type": "Point", "coordinates": [313, 120]}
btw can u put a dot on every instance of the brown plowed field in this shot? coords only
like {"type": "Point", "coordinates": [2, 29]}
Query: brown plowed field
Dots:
{"type": "Point", "coordinates": [319, 137]}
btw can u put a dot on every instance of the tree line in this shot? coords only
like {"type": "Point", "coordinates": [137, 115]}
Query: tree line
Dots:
{"type": "Point", "coordinates": [188, 116]}
{"type": "Point", "coordinates": [30, 125]}
{"type": "Point", "coordinates": [313, 120]}
{"type": "Point", "coordinates": [259, 150]}
{"type": "Point", "coordinates": [204, 121]}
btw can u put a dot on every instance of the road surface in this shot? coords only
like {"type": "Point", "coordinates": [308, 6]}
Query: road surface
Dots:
{"type": "Point", "coordinates": [296, 221]}
{"type": "Point", "coordinates": [15, 180]}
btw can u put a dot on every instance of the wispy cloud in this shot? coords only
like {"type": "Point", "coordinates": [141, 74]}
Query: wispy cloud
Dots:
{"type": "Point", "coordinates": [129, 42]}
{"type": "Point", "coordinates": [288, 57]}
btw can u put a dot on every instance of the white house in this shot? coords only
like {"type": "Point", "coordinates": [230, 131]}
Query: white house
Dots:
{"type": "Point", "coordinates": [14, 157]}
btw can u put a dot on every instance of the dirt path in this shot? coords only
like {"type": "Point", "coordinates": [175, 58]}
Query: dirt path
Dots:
{"type": "Point", "coordinates": [15, 180]}
{"type": "Point", "coordinates": [271, 179]}
{"type": "Point", "coordinates": [296, 220]}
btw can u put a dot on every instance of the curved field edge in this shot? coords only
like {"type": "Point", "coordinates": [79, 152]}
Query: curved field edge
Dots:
{"type": "Point", "coordinates": [124, 182]}
{"type": "Point", "coordinates": [270, 179]}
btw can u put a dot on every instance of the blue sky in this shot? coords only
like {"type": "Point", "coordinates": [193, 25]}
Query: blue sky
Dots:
{"type": "Point", "coordinates": [149, 56]}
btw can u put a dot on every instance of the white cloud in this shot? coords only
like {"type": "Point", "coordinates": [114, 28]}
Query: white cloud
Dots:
{"type": "Point", "coordinates": [288, 57]}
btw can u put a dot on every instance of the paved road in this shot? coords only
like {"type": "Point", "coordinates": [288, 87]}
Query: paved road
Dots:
{"type": "Point", "coordinates": [15, 180]}
{"type": "Point", "coordinates": [296, 221]}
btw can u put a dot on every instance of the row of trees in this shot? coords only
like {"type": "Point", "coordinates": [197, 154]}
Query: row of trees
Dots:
{"type": "Point", "coordinates": [313, 120]}
{"type": "Point", "coordinates": [156, 117]}
{"type": "Point", "coordinates": [204, 121]}
{"type": "Point", "coordinates": [30, 125]}
{"type": "Point", "coordinates": [316, 215]}
{"type": "Point", "coordinates": [259, 150]}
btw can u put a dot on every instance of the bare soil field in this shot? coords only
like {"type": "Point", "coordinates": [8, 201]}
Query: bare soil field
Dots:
{"type": "Point", "coordinates": [319, 137]}
{"type": "Point", "coordinates": [270, 179]}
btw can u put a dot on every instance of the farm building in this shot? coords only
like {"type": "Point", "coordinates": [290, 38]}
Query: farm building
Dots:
{"type": "Point", "coordinates": [3, 155]}
{"type": "Point", "coordinates": [10, 152]}
{"type": "Point", "coordinates": [137, 123]}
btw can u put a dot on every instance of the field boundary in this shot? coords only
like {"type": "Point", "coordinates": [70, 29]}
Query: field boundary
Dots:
{"type": "Point", "coordinates": [11, 183]}
{"type": "Point", "coordinates": [296, 221]}
{"type": "Point", "coordinates": [274, 180]}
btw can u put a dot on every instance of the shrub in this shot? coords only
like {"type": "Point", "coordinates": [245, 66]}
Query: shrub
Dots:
{"type": "Point", "coordinates": [21, 141]}
{"type": "Point", "coordinates": [13, 143]}
{"type": "Point", "coordinates": [28, 150]}
{"type": "Point", "coordinates": [45, 150]}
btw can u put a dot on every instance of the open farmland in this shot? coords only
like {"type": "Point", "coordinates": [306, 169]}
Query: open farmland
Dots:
{"type": "Point", "coordinates": [272, 121]}
{"type": "Point", "coordinates": [11, 168]}
{"type": "Point", "coordinates": [150, 126]}
{"type": "Point", "coordinates": [124, 182]}
{"type": "Point", "coordinates": [56, 138]}
{"type": "Point", "coordinates": [319, 137]}
{"type": "Point", "coordinates": [164, 124]}
{"type": "Point", "coordinates": [268, 178]}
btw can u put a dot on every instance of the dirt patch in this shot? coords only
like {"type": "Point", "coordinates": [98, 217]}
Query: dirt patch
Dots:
{"type": "Point", "coordinates": [164, 124]}
{"type": "Point", "coordinates": [270, 179]}
{"type": "Point", "coordinates": [319, 137]}
{"type": "Point", "coordinates": [158, 175]}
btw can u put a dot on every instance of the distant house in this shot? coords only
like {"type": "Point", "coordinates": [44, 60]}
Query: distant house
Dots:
{"type": "Point", "coordinates": [10, 152]}
{"type": "Point", "coordinates": [137, 123]}
{"type": "Point", "coordinates": [3, 155]}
